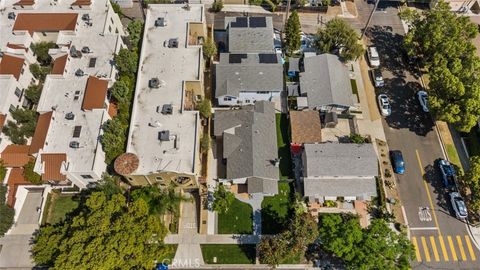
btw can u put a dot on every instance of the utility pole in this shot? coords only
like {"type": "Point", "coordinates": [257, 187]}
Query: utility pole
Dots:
{"type": "Point", "coordinates": [369, 18]}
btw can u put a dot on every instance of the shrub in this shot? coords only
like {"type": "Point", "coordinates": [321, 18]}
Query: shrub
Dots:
{"type": "Point", "coordinates": [40, 49]}
{"type": "Point", "coordinates": [217, 6]}
{"type": "Point", "coordinates": [205, 108]}
{"type": "Point", "coordinates": [3, 171]}
{"type": "Point", "coordinates": [205, 143]}
{"type": "Point", "coordinates": [30, 175]}
{"type": "Point", "coordinates": [356, 138]}
{"type": "Point", "coordinates": [6, 213]}
{"type": "Point", "coordinates": [39, 72]}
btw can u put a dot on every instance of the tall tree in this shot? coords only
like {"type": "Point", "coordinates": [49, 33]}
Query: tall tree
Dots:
{"type": "Point", "coordinates": [113, 139]}
{"type": "Point", "coordinates": [135, 31]}
{"type": "Point", "coordinates": [292, 33]}
{"type": "Point", "coordinates": [33, 93]}
{"type": "Point", "coordinates": [23, 127]}
{"type": "Point", "coordinates": [126, 62]}
{"type": "Point", "coordinates": [339, 38]}
{"type": "Point", "coordinates": [121, 91]}
{"type": "Point", "coordinates": [106, 234]}
{"type": "Point", "coordinates": [471, 179]}
{"type": "Point", "coordinates": [40, 49]}
{"type": "Point", "coordinates": [443, 40]}
{"type": "Point", "coordinates": [223, 199]}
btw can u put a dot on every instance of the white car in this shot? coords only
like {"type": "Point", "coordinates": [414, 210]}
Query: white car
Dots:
{"type": "Point", "coordinates": [384, 104]}
{"type": "Point", "coordinates": [423, 99]}
{"type": "Point", "coordinates": [373, 57]}
{"type": "Point", "coordinates": [458, 205]}
{"type": "Point", "coordinates": [377, 77]}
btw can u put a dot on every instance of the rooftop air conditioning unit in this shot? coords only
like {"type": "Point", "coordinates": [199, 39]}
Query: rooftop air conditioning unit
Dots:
{"type": "Point", "coordinates": [86, 17]}
{"type": "Point", "coordinates": [79, 73]}
{"type": "Point", "coordinates": [85, 49]}
{"type": "Point", "coordinates": [173, 43]}
{"type": "Point", "coordinates": [11, 15]}
{"type": "Point", "coordinates": [167, 109]}
{"type": "Point", "coordinates": [74, 144]}
{"type": "Point", "coordinates": [164, 135]}
{"type": "Point", "coordinates": [75, 53]}
{"type": "Point", "coordinates": [160, 22]}
{"type": "Point", "coordinates": [154, 83]}
{"type": "Point", "coordinates": [70, 116]}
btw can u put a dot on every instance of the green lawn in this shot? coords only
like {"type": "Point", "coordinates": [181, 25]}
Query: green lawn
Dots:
{"type": "Point", "coordinates": [276, 210]}
{"type": "Point", "coordinates": [59, 206]}
{"type": "Point", "coordinates": [237, 220]}
{"type": "Point", "coordinates": [353, 82]}
{"type": "Point", "coordinates": [229, 254]}
{"type": "Point", "coordinates": [453, 155]}
{"type": "Point", "coordinates": [283, 143]}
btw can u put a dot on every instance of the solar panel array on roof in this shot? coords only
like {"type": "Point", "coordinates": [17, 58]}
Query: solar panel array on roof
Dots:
{"type": "Point", "coordinates": [76, 131]}
{"type": "Point", "coordinates": [268, 58]}
{"type": "Point", "coordinates": [92, 62]}
{"type": "Point", "coordinates": [257, 22]}
{"type": "Point", "coordinates": [236, 58]}
{"type": "Point", "coordinates": [241, 22]}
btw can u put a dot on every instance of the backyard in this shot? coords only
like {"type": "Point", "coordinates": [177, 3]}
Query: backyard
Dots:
{"type": "Point", "coordinates": [228, 254]}
{"type": "Point", "coordinates": [276, 210]}
{"type": "Point", "coordinates": [58, 206]}
{"type": "Point", "coordinates": [237, 220]}
{"type": "Point", "coordinates": [283, 143]}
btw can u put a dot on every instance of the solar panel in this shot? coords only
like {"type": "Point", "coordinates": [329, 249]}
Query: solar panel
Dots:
{"type": "Point", "coordinates": [241, 22]}
{"type": "Point", "coordinates": [268, 58]}
{"type": "Point", "coordinates": [258, 22]}
{"type": "Point", "coordinates": [76, 131]}
{"type": "Point", "coordinates": [236, 58]}
{"type": "Point", "coordinates": [92, 62]}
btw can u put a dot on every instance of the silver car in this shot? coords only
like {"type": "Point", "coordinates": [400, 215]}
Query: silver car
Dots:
{"type": "Point", "coordinates": [384, 105]}
{"type": "Point", "coordinates": [377, 77]}
{"type": "Point", "coordinates": [458, 205]}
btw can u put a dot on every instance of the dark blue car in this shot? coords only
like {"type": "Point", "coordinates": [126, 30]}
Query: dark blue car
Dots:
{"type": "Point", "coordinates": [397, 162]}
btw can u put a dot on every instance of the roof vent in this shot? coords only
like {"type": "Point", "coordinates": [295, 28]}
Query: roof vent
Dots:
{"type": "Point", "coordinates": [86, 17]}
{"type": "Point", "coordinates": [164, 135]}
{"type": "Point", "coordinates": [167, 109]}
{"type": "Point", "coordinates": [70, 116]}
{"type": "Point", "coordinates": [154, 83]}
{"type": "Point", "coordinates": [160, 22]}
{"type": "Point", "coordinates": [173, 43]}
{"type": "Point", "coordinates": [79, 73]}
{"type": "Point", "coordinates": [11, 15]}
{"type": "Point", "coordinates": [74, 144]}
{"type": "Point", "coordinates": [85, 49]}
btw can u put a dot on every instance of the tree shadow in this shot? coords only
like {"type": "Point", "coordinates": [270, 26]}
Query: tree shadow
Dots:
{"type": "Point", "coordinates": [272, 222]}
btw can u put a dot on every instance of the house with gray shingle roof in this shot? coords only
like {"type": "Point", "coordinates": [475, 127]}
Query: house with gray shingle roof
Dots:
{"type": "Point", "coordinates": [333, 170]}
{"type": "Point", "coordinates": [249, 140]}
{"type": "Point", "coordinates": [325, 84]}
{"type": "Point", "coordinates": [243, 79]}
{"type": "Point", "coordinates": [250, 34]}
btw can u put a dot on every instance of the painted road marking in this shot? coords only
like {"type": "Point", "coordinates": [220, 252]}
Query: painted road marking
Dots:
{"type": "Point", "coordinates": [428, 192]}
{"type": "Point", "coordinates": [452, 248]}
{"type": "Point", "coordinates": [434, 247]}
{"type": "Point", "coordinates": [470, 249]}
{"type": "Point", "coordinates": [423, 228]}
{"type": "Point", "coordinates": [444, 250]}
{"type": "Point", "coordinates": [417, 251]}
{"type": "Point", "coordinates": [460, 246]}
{"type": "Point", "coordinates": [425, 249]}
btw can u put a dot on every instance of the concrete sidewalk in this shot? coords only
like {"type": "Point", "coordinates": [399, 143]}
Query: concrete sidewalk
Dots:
{"type": "Point", "coordinates": [212, 239]}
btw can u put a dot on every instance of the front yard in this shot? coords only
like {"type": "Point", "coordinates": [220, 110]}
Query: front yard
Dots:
{"type": "Point", "coordinates": [283, 143]}
{"type": "Point", "coordinates": [237, 220]}
{"type": "Point", "coordinates": [58, 206]}
{"type": "Point", "coordinates": [229, 254]}
{"type": "Point", "coordinates": [276, 210]}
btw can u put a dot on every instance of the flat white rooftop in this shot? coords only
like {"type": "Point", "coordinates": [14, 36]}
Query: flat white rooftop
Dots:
{"type": "Point", "coordinates": [172, 66]}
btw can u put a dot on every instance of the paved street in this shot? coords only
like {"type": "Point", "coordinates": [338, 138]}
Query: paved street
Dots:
{"type": "Point", "coordinates": [442, 241]}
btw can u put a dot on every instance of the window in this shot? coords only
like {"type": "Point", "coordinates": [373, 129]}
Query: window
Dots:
{"type": "Point", "coordinates": [247, 100]}
{"type": "Point", "coordinates": [262, 92]}
{"type": "Point", "coordinates": [111, 19]}
{"type": "Point", "coordinates": [12, 108]}
{"type": "Point", "coordinates": [21, 71]}
{"type": "Point", "coordinates": [44, 34]}
{"type": "Point", "coordinates": [18, 92]}
{"type": "Point", "coordinates": [116, 30]}
{"type": "Point", "coordinates": [86, 176]}
{"type": "Point", "coordinates": [227, 98]}
{"type": "Point", "coordinates": [110, 29]}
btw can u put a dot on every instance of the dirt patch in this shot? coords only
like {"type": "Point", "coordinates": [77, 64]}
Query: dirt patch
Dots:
{"type": "Point", "coordinates": [369, 90]}
{"type": "Point", "coordinates": [445, 134]}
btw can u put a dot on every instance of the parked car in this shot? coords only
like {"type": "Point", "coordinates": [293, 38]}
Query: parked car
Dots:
{"type": "Point", "coordinates": [423, 99]}
{"type": "Point", "coordinates": [397, 161]}
{"type": "Point", "coordinates": [458, 205]}
{"type": "Point", "coordinates": [384, 105]}
{"type": "Point", "coordinates": [373, 57]}
{"type": "Point", "coordinates": [377, 77]}
{"type": "Point", "coordinates": [448, 174]}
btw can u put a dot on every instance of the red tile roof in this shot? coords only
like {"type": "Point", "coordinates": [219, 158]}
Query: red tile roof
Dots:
{"type": "Point", "coordinates": [3, 117]}
{"type": "Point", "coordinates": [95, 93]}
{"type": "Point", "coordinates": [25, 3]}
{"type": "Point", "coordinates": [15, 179]}
{"type": "Point", "coordinates": [41, 130]}
{"type": "Point", "coordinates": [59, 65]}
{"type": "Point", "coordinates": [11, 65]}
{"type": "Point", "coordinates": [45, 22]}
{"type": "Point", "coordinates": [52, 166]}
{"type": "Point", "coordinates": [15, 155]}
{"type": "Point", "coordinates": [82, 3]}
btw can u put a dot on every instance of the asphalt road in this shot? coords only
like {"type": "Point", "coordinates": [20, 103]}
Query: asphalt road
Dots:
{"type": "Point", "coordinates": [442, 241]}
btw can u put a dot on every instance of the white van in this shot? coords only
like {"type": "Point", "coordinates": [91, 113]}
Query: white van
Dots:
{"type": "Point", "coordinates": [373, 58]}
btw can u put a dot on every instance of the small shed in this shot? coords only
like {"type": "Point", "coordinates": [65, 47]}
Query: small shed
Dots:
{"type": "Point", "coordinates": [293, 67]}
{"type": "Point", "coordinates": [293, 90]}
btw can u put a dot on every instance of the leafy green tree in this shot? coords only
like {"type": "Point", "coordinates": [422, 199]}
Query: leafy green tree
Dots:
{"type": "Point", "coordinates": [209, 48]}
{"type": "Point", "coordinates": [30, 175]}
{"type": "Point", "coordinates": [6, 213]}
{"type": "Point", "coordinates": [113, 139]}
{"type": "Point", "coordinates": [292, 33]}
{"type": "Point", "coordinates": [33, 93]}
{"type": "Point", "coordinates": [443, 41]}
{"type": "Point", "coordinates": [23, 127]}
{"type": "Point", "coordinates": [223, 199]}
{"type": "Point", "coordinates": [39, 72]}
{"type": "Point", "coordinates": [40, 49]}
{"type": "Point", "coordinates": [217, 6]}
{"type": "Point", "coordinates": [135, 31]}
{"type": "Point", "coordinates": [205, 108]}
{"type": "Point", "coordinates": [339, 38]}
{"type": "Point", "coordinates": [471, 180]}
{"type": "Point", "coordinates": [126, 62]}
{"type": "Point", "coordinates": [121, 91]}
{"type": "Point", "coordinates": [160, 201]}
{"type": "Point", "coordinates": [107, 233]}
{"type": "Point", "coordinates": [272, 250]}
{"type": "Point", "coordinates": [205, 142]}
{"type": "Point", "coordinates": [3, 171]}
{"type": "Point", "coordinates": [116, 8]}
{"type": "Point", "coordinates": [109, 185]}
